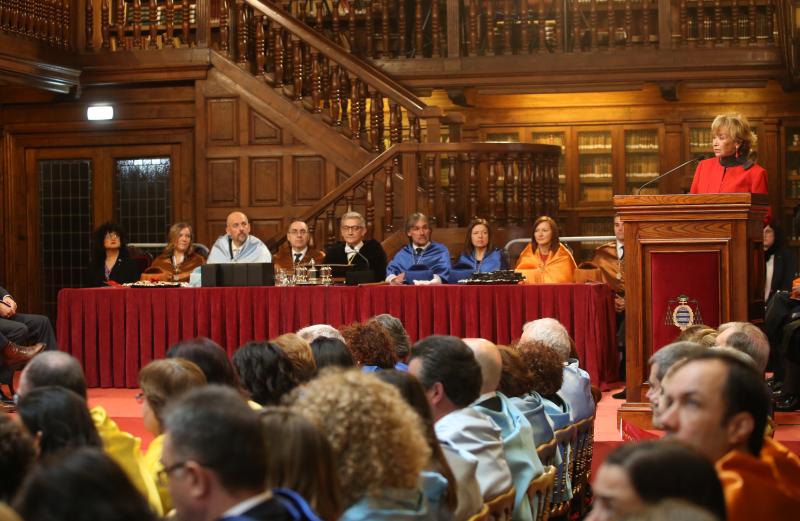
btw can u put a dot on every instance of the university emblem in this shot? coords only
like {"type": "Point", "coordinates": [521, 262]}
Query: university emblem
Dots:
{"type": "Point", "coordinates": [683, 312]}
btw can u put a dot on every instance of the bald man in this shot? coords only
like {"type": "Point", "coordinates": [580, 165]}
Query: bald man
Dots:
{"type": "Point", "coordinates": [237, 245]}
{"type": "Point", "coordinates": [516, 431]}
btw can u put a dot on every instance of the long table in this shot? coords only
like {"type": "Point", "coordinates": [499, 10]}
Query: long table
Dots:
{"type": "Point", "coordinates": [116, 331]}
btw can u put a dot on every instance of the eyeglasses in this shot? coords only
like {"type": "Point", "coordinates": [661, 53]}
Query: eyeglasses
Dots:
{"type": "Point", "coordinates": [351, 228]}
{"type": "Point", "coordinates": [163, 474]}
{"type": "Point", "coordinates": [298, 232]}
{"type": "Point", "coordinates": [112, 235]}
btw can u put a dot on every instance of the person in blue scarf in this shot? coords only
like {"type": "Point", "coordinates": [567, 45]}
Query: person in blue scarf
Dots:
{"type": "Point", "coordinates": [419, 252]}
{"type": "Point", "coordinates": [237, 245]}
{"type": "Point", "coordinates": [479, 252]}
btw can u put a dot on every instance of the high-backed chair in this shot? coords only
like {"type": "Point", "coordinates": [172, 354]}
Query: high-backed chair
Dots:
{"type": "Point", "coordinates": [565, 439]}
{"type": "Point", "coordinates": [540, 492]}
{"type": "Point", "coordinates": [582, 463]}
{"type": "Point", "coordinates": [547, 452]}
{"type": "Point", "coordinates": [483, 515]}
{"type": "Point", "coordinates": [501, 507]}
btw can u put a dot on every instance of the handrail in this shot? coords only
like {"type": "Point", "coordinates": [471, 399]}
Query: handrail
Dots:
{"type": "Point", "coordinates": [377, 79]}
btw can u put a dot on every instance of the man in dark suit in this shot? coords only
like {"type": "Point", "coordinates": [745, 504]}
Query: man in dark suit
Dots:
{"type": "Point", "coordinates": [297, 250]}
{"type": "Point", "coordinates": [354, 250]}
{"type": "Point", "coordinates": [215, 459]}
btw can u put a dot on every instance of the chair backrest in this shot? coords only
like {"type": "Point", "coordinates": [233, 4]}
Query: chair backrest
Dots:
{"type": "Point", "coordinates": [501, 507]}
{"type": "Point", "coordinates": [565, 439]}
{"type": "Point", "coordinates": [582, 464]}
{"type": "Point", "coordinates": [540, 492]}
{"type": "Point", "coordinates": [547, 452]}
{"type": "Point", "coordinates": [483, 515]}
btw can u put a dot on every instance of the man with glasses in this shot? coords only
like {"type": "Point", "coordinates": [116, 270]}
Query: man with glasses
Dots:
{"type": "Point", "coordinates": [297, 251]}
{"type": "Point", "coordinates": [363, 255]}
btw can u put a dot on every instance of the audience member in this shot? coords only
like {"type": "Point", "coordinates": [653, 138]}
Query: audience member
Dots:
{"type": "Point", "coordinates": [545, 259]}
{"type": "Point", "coordinates": [17, 456]}
{"type": "Point", "coordinates": [265, 372]}
{"type": "Point", "coordinates": [371, 346]}
{"type": "Point", "coordinates": [516, 431]}
{"type": "Point", "coordinates": [780, 262]}
{"type": "Point", "coordinates": [210, 357]}
{"type": "Point", "coordinates": [299, 353]}
{"type": "Point", "coordinates": [480, 254]}
{"type": "Point", "coordinates": [56, 368]}
{"type": "Point", "coordinates": [363, 254]}
{"type": "Point", "coordinates": [398, 333]}
{"type": "Point", "coordinates": [748, 338]}
{"type": "Point", "coordinates": [672, 510]}
{"type": "Point", "coordinates": [700, 334]}
{"type": "Point", "coordinates": [300, 458]}
{"type": "Point", "coordinates": [83, 485]}
{"type": "Point", "coordinates": [21, 328]}
{"type": "Point", "coordinates": [379, 474]}
{"type": "Point", "coordinates": [297, 250]}
{"type": "Point", "coordinates": [179, 258]}
{"type": "Point", "coordinates": [432, 259]}
{"type": "Point", "coordinates": [331, 352]}
{"type": "Point", "coordinates": [718, 404]}
{"type": "Point", "coordinates": [111, 261]}
{"type": "Point", "coordinates": [215, 458]}
{"type": "Point", "coordinates": [636, 475]}
{"type": "Point", "coordinates": [451, 377]}
{"type": "Point", "coordinates": [516, 382]}
{"type": "Point", "coordinates": [660, 362]}
{"type": "Point", "coordinates": [548, 375]}
{"type": "Point", "coordinates": [576, 389]}
{"type": "Point", "coordinates": [237, 245]}
{"type": "Point", "coordinates": [311, 333]}
{"type": "Point", "coordinates": [163, 381]}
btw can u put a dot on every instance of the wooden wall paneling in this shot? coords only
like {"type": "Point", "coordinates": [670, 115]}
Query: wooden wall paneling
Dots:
{"type": "Point", "coordinates": [672, 153]}
{"type": "Point", "coordinates": [222, 182]}
{"type": "Point", "coordinates": [266, 227]}
{"type": "Point", "coordinates": [263, 131]}
{"type": "Point", "coordinates": [222, 117]}
{"type": "Point", "coordinates": [213, 229]}
{"type": "Point", "coordinates": [5, 232]}
{"type": "Point", "coordinates": [200, 170]}
{"type": "Point", "coordinates": [769, 158]}
{"type": "Point", "coordinates": [265, 181]}
{"type": "Point", "coordinates": [308, 180]}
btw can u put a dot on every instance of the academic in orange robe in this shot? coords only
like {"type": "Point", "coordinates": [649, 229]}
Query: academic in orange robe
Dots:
{"type": "Point", "coordinates": [559, 267]}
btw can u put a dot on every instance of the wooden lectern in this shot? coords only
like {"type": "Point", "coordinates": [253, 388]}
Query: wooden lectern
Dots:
{"type": "Point", "coordinates": [687, 258]}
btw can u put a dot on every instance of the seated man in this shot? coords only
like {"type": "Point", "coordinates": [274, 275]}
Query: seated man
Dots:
{"type": "Point", "coordinates": [419, 252]}
{"type": "Point", "coordinates": [353, 249]}
{"type": "Point", "coordinates": [576, 389]}
{"type": "Point", "coordinates": [237, 245]}
{"type": "Point", "coordinates": [660, 363]}
{"type": "Point", "coordinates": [297, 251]}
{"type": "Point", "coordinates": [20, 328]}
{"type": "Point", "coordinates": [748, 338]}
{"type": "Point", "coordinates": [718, 403]}
{"type": "Point", "coordinates": [451, 377]}
{"type": "Point", "coordinates": [56, 368]}
{"type": "Point", "coordinates": [516, 431]}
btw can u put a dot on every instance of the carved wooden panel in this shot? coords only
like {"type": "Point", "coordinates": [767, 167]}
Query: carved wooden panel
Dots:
{"type": "Point", "coordinates": [265, 228]}
{"type": "Point", "coordinates": [262, 131]}
{"type": "Point", "coordinates": [223, 182]}
{"type": "Point", "coordinates": [222, 121]}
{"type": "Point", "coordinates": [214, 229]}
{"type": "Point", "coordinates": [265, 181]}
{"type": "Point", "coordinates": [308, 179]}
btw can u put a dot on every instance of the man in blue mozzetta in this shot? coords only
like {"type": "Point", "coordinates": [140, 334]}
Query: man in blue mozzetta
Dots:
{"type": "Point", "coordinates": [237, 245]}
{"type": "Point", "coordinates": [419, 255]}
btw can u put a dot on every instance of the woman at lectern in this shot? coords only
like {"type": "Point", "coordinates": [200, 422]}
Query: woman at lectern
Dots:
{"type": "Point", "coordinates": [545, 259]}
{"type": "Point", "coordinates": [731, 170]}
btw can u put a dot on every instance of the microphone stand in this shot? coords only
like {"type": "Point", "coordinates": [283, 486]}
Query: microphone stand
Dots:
{"type": "Point", "coordinates": [668, 172]}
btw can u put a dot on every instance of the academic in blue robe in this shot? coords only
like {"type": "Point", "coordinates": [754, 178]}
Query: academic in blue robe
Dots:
{"type": "Point", "coordinates": [436, 257]}
{"type": "Point", "coordinates": [492, 261]}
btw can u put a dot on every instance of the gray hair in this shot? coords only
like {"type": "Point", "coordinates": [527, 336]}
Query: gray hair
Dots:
{"type": "Point", "coordinates": [353, 215]}
{"type": "Point", "coordinates": [668, 355]}
{"type": "Point", "coordinates": [393, 326]}
{"type": "Point", "coordinates": [414, 218]}
{"type": "Point", "coordinates": [749, 339]}
{"type": "Point", "coordinates": [549, 332]}
{"type": "Point", "coordinates": [54, 368]}
{"type": "Point", "coordinates": [311, 333]}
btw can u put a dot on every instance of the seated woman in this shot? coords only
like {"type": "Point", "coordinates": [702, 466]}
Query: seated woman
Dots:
{"type": "Point", "coordinates": [371, 346]}
{"type": "Point", "coordinates": [545, 259]}
{"type": "Point", "coordinates": [111, 260]}
{"type": "Point", "coordinates": [479, 252]}
{"type": "Point", "coordinates": [179, 258]}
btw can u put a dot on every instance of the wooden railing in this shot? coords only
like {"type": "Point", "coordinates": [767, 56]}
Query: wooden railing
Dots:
{"type": "Point", "coordinates": [508, 184]}
{"type": "Point", "coordinates": [45, 21]}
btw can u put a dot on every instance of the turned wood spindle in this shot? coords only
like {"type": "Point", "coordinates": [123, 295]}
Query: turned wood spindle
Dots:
{"type": "Point", "coordinates": [628, 24]}
{"type": "Point", "coordinates": [152, 16]}
{"type": "Point", "coordinates": [336, 97]}
{"type": "Point", "coordinates": [316, 82]}
{"type": "Point", "coordinates": [89, 26]}
{"type": "Point", "coordinates": [472, 211]}
{"type": "Point", "coordinates": [385, 50]}
{"type": "Point", "coordinates": [355, 134]}
{"type": "Point", "coordinates": [401, 29]}
{"type": "Point", "coordinates": [472, 38]}
{"type": "Point", "coordinates": [576, 27]}
{"type": "Point", "coordinates": [105, 25]}
{"type": "Point", "coordinates": [169, 16]}
{"type": "Point", "coordinates": [492, 189]}
{"type": "Point", "coordinates": [297, 66]}
{"type": "Point", "coordinates": [137, 24]}
{"type": "Point", "coordinates": [490, 27]}
{"type": "Point", "coordinates": [369, 203]}
{"type": "Point", "coordinates": [241, 34]}
{"type": "Point", "coordinates": [526, 189]}
{"type": "Point", "coordinates": [436, 30]}
{"type": "Point", "coordinates": [224, 30]}
{"type": "Point", "coordinates": [388, 198]}
{"type": "Point", "coordinates": [430, 186]}
{"type": "Point", "coordinates": [185, 11]}
{"type": "Point", "coordinates": [452, 190]}
{"type": "Point", "coordinates": [524, 38]}
{"type": "Point", "coordinates": [508, 20]}
{"type": "Point", "coordinates": [261, 57]}
{"type": "Point", "coordinates": [418, 34]}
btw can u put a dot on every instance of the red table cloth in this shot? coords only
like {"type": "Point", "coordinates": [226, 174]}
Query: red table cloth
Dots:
{"type": "Point", "coordinates": [116, 331]}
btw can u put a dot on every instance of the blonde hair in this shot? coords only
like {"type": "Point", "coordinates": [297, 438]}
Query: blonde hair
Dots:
{"type": "Point", "coordinates": [739, 129]}
{"type": "Point", "coordinates": [172, 238]}
{"type": "Point", "coordinates": [299, 353]}
{"type": "Point", "coordinates": [377, 437]}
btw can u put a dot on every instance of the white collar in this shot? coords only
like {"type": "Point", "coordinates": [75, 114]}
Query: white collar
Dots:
{"type": "Point", "coordinates": [247, 504]}
{"type": "Point", "coordinates": [620, 247]}
{"type": "Point", "coordinates": [301, 252]}
{"type": "Point", "coordinates": [414, 247]}
{"type": "Point", "coordinates": [353, 249]}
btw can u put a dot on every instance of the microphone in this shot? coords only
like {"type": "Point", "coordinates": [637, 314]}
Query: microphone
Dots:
{"type": "Point", "coordinates": [668, 172]}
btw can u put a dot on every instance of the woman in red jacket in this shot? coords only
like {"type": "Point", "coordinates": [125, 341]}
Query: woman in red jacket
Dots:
{"type": "Point", "coordinates": [730, 170]}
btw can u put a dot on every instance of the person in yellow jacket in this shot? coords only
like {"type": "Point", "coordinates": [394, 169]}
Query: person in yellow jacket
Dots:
{"type": "Point", "coordinates": [545, 260]}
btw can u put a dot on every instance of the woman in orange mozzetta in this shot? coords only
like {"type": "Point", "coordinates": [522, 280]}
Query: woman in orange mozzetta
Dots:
{"type": "Point", "coordinates": [545, 259]}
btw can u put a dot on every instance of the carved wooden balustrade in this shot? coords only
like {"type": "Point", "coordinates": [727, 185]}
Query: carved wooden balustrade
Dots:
{"type": "Point", "coordinates": [45, 21]}
{"type": "Point", "coordinates": [508, 184]}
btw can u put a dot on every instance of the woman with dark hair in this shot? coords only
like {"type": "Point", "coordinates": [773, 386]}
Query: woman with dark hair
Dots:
{"type": "Point", "coordinates": [371, 346]}
{"type": "Point", "coordinates": [111, 260]}
{"type": "Point", "coordinates": [479, 252]}
{"type": "Point", "coordinates": [179, 258]}
{"type": "Point", "coordinates": [210, 357]}
{"type": "Point", "coordinates": [265, 371]}
{"type": "Point", "coordinates": [545, 259]}
{"type": "Point", "coordinates": [83, 484]}
{"type": "Point", "coordinates": [301, 459]}
{"type": "Point", "coordinates": [331, 352]}
{"type": "Point", "coordinates": [58, 419]}
{"type": "Point", "coordinates": [639, 474]}
{"type": "Point", "coordinates": [547, 371]}
{"type": "Point", "coordinates": [781, 264]}
{"type": "Point", "coordinates": [516, 382]}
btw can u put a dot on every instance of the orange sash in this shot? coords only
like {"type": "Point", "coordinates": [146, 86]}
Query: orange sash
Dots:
{"type": "Point", "coordinates": [559, 266]}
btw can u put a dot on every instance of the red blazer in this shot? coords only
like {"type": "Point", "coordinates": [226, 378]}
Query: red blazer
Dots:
{"type": "Point", "coordinates": [711, 177]}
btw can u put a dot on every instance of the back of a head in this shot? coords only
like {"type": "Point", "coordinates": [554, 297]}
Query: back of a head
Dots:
{"type": "Point", "coordinates": [54, 368]}
{"type": "Point", "coordinates": [488, 357]}
{"type": "Point", "coordinates": [62, 418]}
{"type": "Point", "coordinates": [163, 381]}
{"type": "Point", "coordinates": [516, 379]}
{"type": "Point", "coordinates": [447, 359]}
{"type": "Point", "coordinates": [671, 353]}
{"type": "Point", "coordinates": [661, 470]}
{"type": "Point", "coordinates": [749, 339]}
{"type": "Point", "coordinates": [17, 456]}
{"type": "Point", "coordinates": [265, 371]}
{"type": "Point", "coordinates": [299, 353]}
{"type": "Point", "coordinates": [331, 352]}
{"type": "Point", "coordinates": [551, 333]}
{"type": "Point", "coordinates": [214, 426]}
{"type": "Point", "coordinates": [672, 510]}
{"type": "Point", "coordinates": [545, 364]}
{"type": "Point", "coordinates": [370, 344]}
{"type": "Point", "coordinates": [210, 357]}
{"type": "Point", "coordinates": [83, 484]}
{"type": "Point", "coordinates": [700, 334]}
{"type": "Point", "coordinates": [300, 458]}
{"type": "Point", "coordinates": [312, 332]}
{"type": "Point", "coordinates": [396, 330]}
